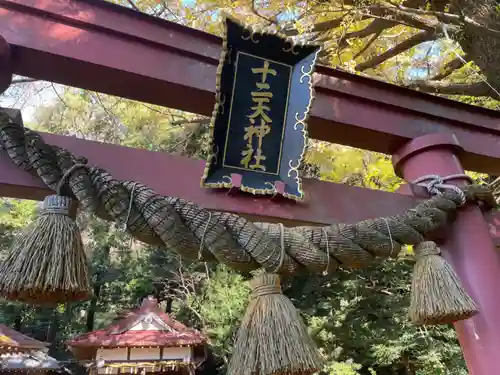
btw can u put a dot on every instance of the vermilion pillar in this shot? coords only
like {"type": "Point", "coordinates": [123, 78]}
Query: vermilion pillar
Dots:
{"type": "Point", "coordinates": [468, 247]}
{"type": "Point", "coordinates": [5, 65]}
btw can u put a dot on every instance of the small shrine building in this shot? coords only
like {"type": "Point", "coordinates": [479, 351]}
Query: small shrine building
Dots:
{"type": "Point", "coordinates": [146, 341]}
{"type": "Point", "coordinates": [22, 354]}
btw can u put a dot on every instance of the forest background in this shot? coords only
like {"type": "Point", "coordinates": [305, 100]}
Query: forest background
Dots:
{"type": "Point", "coordinates": [358, 318]}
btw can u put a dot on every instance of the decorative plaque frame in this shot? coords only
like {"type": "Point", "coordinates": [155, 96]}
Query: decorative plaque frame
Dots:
{"type": "Point", "coordinates": [263, 98]}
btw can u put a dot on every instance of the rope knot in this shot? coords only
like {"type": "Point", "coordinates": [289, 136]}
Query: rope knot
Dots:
{"type": "Point", "coordinates": [265, 284]}
{"type": "Point", "coordinates": [426, 248]}
{"type": "Point", "coordinates": [57, 204]}
{"type": "Point", "coordinates": [67, 174]}
{"type": "Point", "coordinates": [435, 185]}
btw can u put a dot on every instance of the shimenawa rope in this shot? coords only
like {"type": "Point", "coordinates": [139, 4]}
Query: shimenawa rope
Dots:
{"type": "Point", "coordinates": [185, 227]}
{"type": "Point", "coordinates": [196, 233]}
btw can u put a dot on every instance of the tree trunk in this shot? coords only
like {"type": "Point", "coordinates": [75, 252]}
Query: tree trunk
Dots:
{"type": "Point", "coordinates": [408, 366]}
{"type": "Point", "coordinates": [481, 45]}
{"type": "Point", "coordinates": [52, 328]}
{"type": "Point", "coordinates": [168, 306]}
{"type": "Point", "coordinates": [92, 309]}
{"type": "Point", "coordinates": [18, 322]}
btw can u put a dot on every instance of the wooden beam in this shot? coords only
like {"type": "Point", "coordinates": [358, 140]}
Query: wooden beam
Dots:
{"type": "Point", "coordinates": [170, 175]}
{"type": "Point", "coordinates": [68, 41]}
{"type": "Point", "coordinates": [99, 46]}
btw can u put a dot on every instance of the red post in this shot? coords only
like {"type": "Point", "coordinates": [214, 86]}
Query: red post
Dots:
{"type": "Point", "coordinates": [5, 65]}
{"type": "Point", "coordinates": [469, 249]}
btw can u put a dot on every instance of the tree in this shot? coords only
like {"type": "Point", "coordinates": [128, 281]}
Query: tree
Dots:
{"type": "Point", "coordinates": [359, 317]}
{"type": "Point", "coordinates": [436, 46]}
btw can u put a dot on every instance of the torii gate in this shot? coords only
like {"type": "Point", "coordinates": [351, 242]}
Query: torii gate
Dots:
{"type": "Point", "coordinates": [99, 46]}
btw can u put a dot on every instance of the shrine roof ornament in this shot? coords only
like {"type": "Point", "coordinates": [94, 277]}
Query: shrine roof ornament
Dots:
{"type": "Point", "coordinates": [264, 93]}
{"type": "Point", "coordinates": [16, 340]}
{"type": "Point", "coordinates": [146, 326]}
{"type": "Point", "coordinates": [36, 360]}
{"type": "Point", "coordinates": [19, 352]}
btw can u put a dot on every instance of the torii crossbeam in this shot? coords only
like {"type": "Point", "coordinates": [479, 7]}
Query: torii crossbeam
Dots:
{"type": "Point", "coordinates": [99, 46]}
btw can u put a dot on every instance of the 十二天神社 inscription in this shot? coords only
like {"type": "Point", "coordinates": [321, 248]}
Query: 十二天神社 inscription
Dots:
{"type": "Point", "coordinates": [263, 123]}
{"type": "Point", "coordinates": [258, 128]}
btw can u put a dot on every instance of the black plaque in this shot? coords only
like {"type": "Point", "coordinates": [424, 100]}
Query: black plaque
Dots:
{"type": "Point", "coordinates": [258, 129]}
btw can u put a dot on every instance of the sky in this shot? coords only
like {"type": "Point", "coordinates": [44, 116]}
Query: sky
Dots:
{"type": "Point", "coordinates": [428, 51]}
{"type": "Point", "coordinates": [38, 94]}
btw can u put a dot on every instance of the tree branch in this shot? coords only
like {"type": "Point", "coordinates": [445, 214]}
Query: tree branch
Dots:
{"type": "Point", "coordinates": [411, 42]}
{"type": "Point", "coordinates": [318, 27]}
{"type": "Point", "coordinates": [402, 16]}
{"type": "Point", "coordinates": [375, 27]}
{"type": "Point", "coordinates": [134, 7]}
{"type": "Point", "coordinates": [449, 68]}
{"type": "Point", "coordinates": [159, 13]}
{"type": "Point", "coordinates": [200, 120]}
{"type": "Point", "coordinates": [24, 80]}
{"type": "Point", "coordinates": [258, 14]}
{"type": "Point", "coordinates": [368, 44]}
{"type": "Point", "coordinates": [438, 5]}
{"type": "Point", "coordinates": [379, 23]}
{"type": "Point", "coordinates": [453, 19]}
{"type": "Point", "coordinates": [450, 88]}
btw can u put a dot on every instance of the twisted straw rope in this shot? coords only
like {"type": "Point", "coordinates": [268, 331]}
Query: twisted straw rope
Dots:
{"type": "Point", "coordinates": [196, 233]}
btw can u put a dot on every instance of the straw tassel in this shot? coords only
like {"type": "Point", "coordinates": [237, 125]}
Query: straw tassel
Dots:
{"type": "Point", "coordinates": [47, 263]}
{"type": "Point", "coordinates": [437, 296]}
{"type": "Point", "coordinates": [272, 338]}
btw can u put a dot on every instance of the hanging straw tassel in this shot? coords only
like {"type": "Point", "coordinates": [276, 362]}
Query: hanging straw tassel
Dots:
{"type": "Point", "coordinates": [47, 264]}
{"type": "Point", "coordinates": [272, 338]}
{"type": "Point", "coordinates": [437, 296]}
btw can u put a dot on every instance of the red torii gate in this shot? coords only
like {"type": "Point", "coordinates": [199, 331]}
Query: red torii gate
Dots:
{"type": "Point", "coordinates": [99, 46]}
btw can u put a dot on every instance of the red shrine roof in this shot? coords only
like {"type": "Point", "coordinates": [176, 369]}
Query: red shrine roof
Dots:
{"type": "Point", "coordinates": [146, 326]}
{"type": "Point", "coordinates": [14, 339]}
